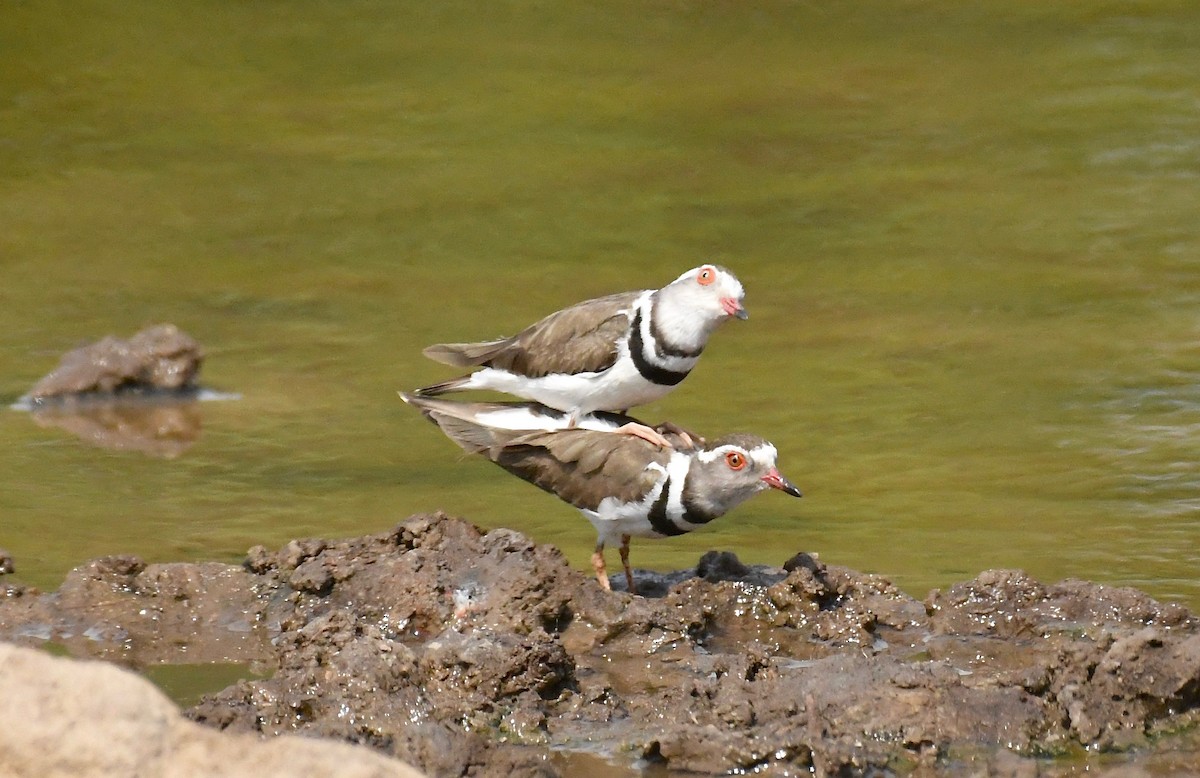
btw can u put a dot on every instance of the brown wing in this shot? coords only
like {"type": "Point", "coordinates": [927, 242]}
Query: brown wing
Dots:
{"type": "Point", "coordinates": [582, 338]}
{"type": "Point", "coordinates": [580, 466]}
{"type": "Point", "coordinates": [583, 467]}
{"type": "Point", "coordinates": [465, 354]}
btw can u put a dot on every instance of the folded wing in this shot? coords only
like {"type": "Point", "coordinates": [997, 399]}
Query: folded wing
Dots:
{"type": "Point", "coordinates": [582, 338]}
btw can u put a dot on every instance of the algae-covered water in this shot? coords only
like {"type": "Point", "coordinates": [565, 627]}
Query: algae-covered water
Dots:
{"type": "Point", "coordinates": [969, 232]}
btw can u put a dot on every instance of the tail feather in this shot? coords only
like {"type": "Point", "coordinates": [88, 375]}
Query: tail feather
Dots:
{"type": "Point", "coordinates": [470, 437]}
{"type": "Point", "coordinates": [453, 385]}
{"type": "Point", "coordinates": [466, 354]}
{"type": "Point", "coordinates": [455, 420]}
{"type": "Point", "coordinates": [428, 406]}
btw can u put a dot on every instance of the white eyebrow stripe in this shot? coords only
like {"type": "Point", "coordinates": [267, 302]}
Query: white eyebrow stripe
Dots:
{"type": "Point", "coordinates": [762, 453]}
{"type": "Point", "coordinates": [718, 452]}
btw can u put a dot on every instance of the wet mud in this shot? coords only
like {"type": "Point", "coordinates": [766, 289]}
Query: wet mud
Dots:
{"type": "Point", "coordinates": [467, 652]}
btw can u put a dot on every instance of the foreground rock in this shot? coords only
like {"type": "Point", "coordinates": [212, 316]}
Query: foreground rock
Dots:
{"type": "Point", "coordinates": [158, 359]}
{"type": "Point", "coordinates": [94, 720]}
{"type": "Point", "coordinates": [480, 653]}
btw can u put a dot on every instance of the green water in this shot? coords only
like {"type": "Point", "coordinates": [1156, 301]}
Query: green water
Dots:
{"type": "Point", "coordinates": [968, 232]}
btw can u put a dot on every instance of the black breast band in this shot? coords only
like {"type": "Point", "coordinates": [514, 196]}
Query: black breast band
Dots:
{"type": "Point", "coordinates": [651, 372]}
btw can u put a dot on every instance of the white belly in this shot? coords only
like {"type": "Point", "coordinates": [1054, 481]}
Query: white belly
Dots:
{"type": "Point", "coordinates": [617, 389]}
{"type": "Point", "coordinates": [613, 518]}
{"type": "Point", "coordinates": [610, 529]}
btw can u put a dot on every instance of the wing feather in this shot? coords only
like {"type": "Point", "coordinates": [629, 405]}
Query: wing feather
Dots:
{"type": "Point", "coordinates": [580, 466]}
{"type": "Point", "coordinates": [465, 354]}
{"type": "Point", "coordinates": [579, 339]}
{"type": "Point", "coordinates": [583, 467]}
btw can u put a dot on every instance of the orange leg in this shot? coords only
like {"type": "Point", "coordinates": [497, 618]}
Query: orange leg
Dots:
{"type": "Point", "coordinates": [598, 566]}
{"type": "Point", "coordinates": [625, 563]}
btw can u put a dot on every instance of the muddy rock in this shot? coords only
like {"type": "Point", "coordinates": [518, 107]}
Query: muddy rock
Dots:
{"type": "Point", "coordinates": [6, 563]}
{"type": "Point", "coordinates": [160, 358]}
{"type": "Point", "coordinates": [121, 609]}
{"type": "Point", "coordinates": [468, 652]}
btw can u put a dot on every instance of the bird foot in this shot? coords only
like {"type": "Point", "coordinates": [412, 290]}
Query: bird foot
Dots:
{"type": "Point", "coordinates": [648, 434]}
{"type": "Point", "coordinates": [687, 440]}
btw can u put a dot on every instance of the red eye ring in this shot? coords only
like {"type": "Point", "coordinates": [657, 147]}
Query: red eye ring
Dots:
{"type": "Point", "coordinates": [735, 459]}
{"type": "Point", "coordinates": [706, 276]}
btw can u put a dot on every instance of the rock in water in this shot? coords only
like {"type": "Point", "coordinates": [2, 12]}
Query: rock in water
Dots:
{"type": "Point", "coordinates": [161, 358]}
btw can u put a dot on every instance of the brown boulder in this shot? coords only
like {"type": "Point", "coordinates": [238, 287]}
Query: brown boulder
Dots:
{"type": "Point", "coordinates": [94, 720]}
{"type": "Point", "coordinates": [160, 358]}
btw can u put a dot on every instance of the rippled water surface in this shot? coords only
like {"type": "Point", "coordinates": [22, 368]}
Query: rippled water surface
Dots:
{"type": "Point", "coordinates": [968, 231]}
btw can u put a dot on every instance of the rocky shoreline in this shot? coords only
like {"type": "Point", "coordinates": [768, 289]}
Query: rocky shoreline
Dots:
{"type": "Point", "coordinates": [465, 652]}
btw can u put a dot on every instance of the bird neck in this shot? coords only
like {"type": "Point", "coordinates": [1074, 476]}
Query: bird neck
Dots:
{"type": "Point", "coordinates": [699, 503]}
{"type": "Point", "coordinates": [677, 326]}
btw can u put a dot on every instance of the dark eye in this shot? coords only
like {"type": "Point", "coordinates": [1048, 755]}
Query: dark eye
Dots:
{"type": "Point", "coordinates": [735, 460]}
{"type": "Point", "coordinates": [706, 276]}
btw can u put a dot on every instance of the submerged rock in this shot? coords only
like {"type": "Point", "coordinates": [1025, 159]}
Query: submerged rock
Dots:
{"type": "Point", "coordinates": [468, 652]}
{"type": "Point", "coordinates": [125, 395]}
{"type": "Point", "coordinates": [161, 358]}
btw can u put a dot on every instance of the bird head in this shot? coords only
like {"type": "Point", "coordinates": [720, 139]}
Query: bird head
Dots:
{"type": "Point", "coordinates": [711, 290]}
{"type": "Point", "coordinates": [733, 469]}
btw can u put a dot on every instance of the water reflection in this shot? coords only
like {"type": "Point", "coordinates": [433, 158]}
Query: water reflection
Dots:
{"type": "Point", "coordinates": [161, 429]}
